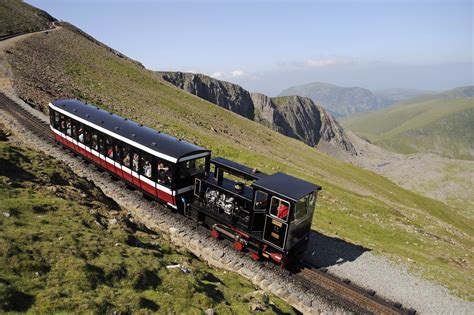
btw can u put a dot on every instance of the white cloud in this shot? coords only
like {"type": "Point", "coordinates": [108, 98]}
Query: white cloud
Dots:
{"type": "Point", "coordinates": [326, 62]}
{"type": "Point", "coordinates": [217, 75]}
{"type": "Point", "coordinates": [237, 73]}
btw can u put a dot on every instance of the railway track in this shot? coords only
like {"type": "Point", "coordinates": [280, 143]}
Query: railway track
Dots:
{"type": "Point", "coordinates": [339, 291]}
{"type": "Point", "coordinates": [360, 300]}
{"type": "Point", "coordinates": [34, 124]}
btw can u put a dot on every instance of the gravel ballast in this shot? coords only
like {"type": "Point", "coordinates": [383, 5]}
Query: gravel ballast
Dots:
{"type": "Point", "coordinates": [391, 281]}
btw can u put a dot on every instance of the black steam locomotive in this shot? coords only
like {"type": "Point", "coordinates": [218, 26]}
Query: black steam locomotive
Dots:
{"type": "Point", "coordinates": [268, 216]}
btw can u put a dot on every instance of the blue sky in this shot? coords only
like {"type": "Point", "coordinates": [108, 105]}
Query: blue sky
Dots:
{"type": "Point", "coordinates": [267, 46]}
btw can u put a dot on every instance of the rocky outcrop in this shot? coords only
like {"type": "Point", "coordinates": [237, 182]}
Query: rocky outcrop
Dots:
{"type": "Point", "coordinates": [293, 116]}
{"type": "Point", "coordinates": [298, 117]}
{"type": "Point", "coordinates": [225, 94]}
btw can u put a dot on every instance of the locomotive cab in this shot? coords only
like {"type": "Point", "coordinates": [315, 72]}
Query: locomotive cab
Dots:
{"type": "Point", "coordinates": [289, 204]}
{"type": "Point", "coordinates": [268, 215]}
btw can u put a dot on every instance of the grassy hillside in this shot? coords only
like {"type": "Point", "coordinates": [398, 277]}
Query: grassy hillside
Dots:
{"type": "Point", "coordinates": [442, 124]}
{"type": "Point", "coordinates": [65, 247]}
{"type": "Point", "coordinates": [17, 17]}
{"type": "Point", "coordinates": [356, 205]}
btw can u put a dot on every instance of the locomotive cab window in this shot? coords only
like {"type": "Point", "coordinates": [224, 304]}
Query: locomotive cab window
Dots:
{"type": "Point", "coordinates": [304, 206]}
{"type": "Point", "coordinates": [261, 200]}
{"type": "Point", "coordinates": [279, 208]}
{"type": "Point", "coordinates": [301, 209]}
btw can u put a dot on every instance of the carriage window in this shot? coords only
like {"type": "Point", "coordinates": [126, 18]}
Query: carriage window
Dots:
{"type": "Point", "coordinates": [101, 143]}
{"type": "Point", "coordinates": [146, 165]}
{"type": "Point", "coordinates": [279, 208]}
{"type": "Point", "coordinates": [126, 156]}
{"type": "Point", "coordinates": [55, 120]}
{"type": "Point", "coordinates": [95, 140]}
{"type": "Point", "coordinates": [192, 167]}
{"type": "Point", "coordinates": [68, 126]}
{"type": "Point", "coordinates": [109, 147]}
{"type": "Point", "coordinates": [301, 209]}
{"type": "Point", "coordinates": [135, 161]}
{"type": "Point", "coordinates": [62, 124]}
{"type": "Point", "coordinates": [73, 129]}
{"type": "Point", "coordinates": [261, 200]}
{"type": "Point", "coordinates": [87, 136]}
{"type": "Point", "coordinates": [80, 133]}
{"type": "Point", "coordinates": [118, 151]}
{"type": "Point", "coordinates": [163, 173]}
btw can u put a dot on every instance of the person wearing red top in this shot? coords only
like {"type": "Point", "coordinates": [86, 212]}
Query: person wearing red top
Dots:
{"type": "Point", "coordinates": [282, 211]}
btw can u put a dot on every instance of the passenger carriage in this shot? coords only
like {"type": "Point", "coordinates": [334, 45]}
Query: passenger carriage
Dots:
{"type": "Point", "coordinates": [162, 166]}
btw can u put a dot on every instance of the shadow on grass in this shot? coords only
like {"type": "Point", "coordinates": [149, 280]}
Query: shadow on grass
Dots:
{"type": "Point", "coordinates": [326, 251]}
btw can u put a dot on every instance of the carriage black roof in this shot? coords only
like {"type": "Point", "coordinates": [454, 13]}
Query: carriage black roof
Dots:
{"type": "Point", "coordinates": [286, 186]}
{"type": "Point", "coordinates": [163, 144]}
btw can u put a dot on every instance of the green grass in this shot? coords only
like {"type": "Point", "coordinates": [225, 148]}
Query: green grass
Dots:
{"type": "Point", "coordinates": [56, 257]}
{"type": "Point", "coordinates": [437, 124]}
{"type": "Point", "coordinates": [356, 205]}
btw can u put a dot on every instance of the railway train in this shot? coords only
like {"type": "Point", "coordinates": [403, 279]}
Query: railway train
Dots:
{"type": "Point", "coordinates": [267, 216]}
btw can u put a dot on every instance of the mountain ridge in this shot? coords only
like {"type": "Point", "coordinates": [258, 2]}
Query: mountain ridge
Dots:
{"type": "Point", "coordinates": [343, 101]}
{"type": "Point", "coordinates": [294, 116]}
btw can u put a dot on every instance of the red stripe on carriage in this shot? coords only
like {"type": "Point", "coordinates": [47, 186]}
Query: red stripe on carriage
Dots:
{"type": "Point", "coordinates": [118, 171]}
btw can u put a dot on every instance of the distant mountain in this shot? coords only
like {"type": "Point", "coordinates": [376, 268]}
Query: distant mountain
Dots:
{"type": "Point", "coordinates": [294, 116]}
{"type": "Point", "coordinates": [441, 123]}
{"type": "Point", "coordinates": [344, 101]}
{"type": "Point", "coordinates": [341, 101]}
{"type": "Point", "coordinates": [391, 96]}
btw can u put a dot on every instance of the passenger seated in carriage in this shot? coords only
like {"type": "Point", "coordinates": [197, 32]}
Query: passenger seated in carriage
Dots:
{"type": "Point", "coordinates": [126, 160]}
{"type": "Point", "coordinates": [164, 175]}
{"type": "Point", "coordinates": [147, 169]}
{"type": "Point", "coordinates": [110, 152]}
{"type": "Point", "coordinates": [68, 127]}
{"type": "Point", "coordinates": [135, 162]}
{"type": "Point", "coordinates": [81, 135]}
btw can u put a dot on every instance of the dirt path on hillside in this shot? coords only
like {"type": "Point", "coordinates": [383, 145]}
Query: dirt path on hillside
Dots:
{"type": "Point", "coordinates": [6, 81]}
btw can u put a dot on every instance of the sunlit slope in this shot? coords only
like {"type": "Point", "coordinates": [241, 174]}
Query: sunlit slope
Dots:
{"type": "Point", "coordinates": [441, 124]}
{"type": "Point", "coordinates": [355, 204]}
